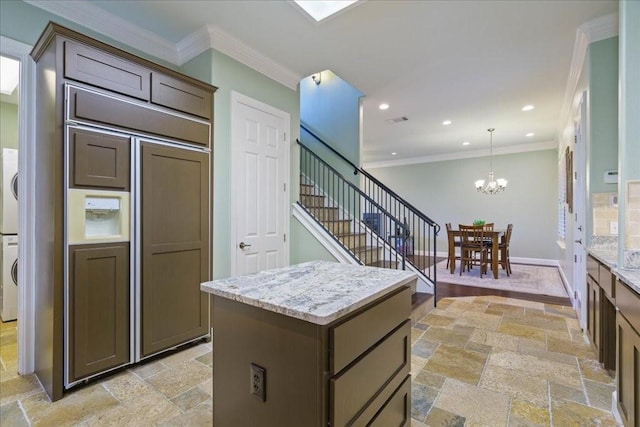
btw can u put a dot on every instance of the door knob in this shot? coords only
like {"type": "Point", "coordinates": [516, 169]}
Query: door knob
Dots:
{"type": "Point", "coordinates": [242, 245]}
{"type": "Point", "coordinates": [578, 241]}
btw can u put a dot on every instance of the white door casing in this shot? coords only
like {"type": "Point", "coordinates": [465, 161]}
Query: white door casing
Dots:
{"type": "Point", "coordinates": [579, 206]}
{"type": "Point", "coordinates": [26, 207]}
{"type": "Point", "coordinates": [259, 185]}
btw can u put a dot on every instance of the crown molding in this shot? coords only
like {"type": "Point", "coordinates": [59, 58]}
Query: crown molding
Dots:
{"type": "Point", "coordinates": [595, 30]}
{"type": "Point", "coordinates": [212, 37]}
{"type": "Point", "coordinates": [209, 37]}
{"type": "Point", "coordinates": [513, 149]}
{"type": "Point", "coordinates": [90, 16]}
{"type": "Point", "coordinates": [194, 44]}
{"type": "Point", "coordinates": [601, 28]}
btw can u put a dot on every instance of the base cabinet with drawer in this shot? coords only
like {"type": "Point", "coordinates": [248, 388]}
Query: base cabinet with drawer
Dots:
{"type": "Point", "coordinates": [628, 354]}
{"type": "Point", "coordinates": [601, 311]}
{"type": "Point", "coordinates": [351, 372]}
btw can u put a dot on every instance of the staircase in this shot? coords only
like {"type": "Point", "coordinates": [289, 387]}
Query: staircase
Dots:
{"type": "Point", "coordinates": [342, 229]}
{"type": "Point", "coordinates": [365, 219]}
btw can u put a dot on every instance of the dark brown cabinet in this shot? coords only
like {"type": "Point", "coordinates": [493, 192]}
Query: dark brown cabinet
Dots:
{"type": "Point", "coordinates": [99, 160]}
{"type": "Point", "coordinates": [98, 308]}
{"type": "Point", "coordinates": [628, 366]}
{"type": "Point", "coordinates": [180, 96]}
{"type": "Point", "coordinates": [95, 103]}
{"type": "Point", "coordinates": [601, 311]}
{"type": "Point", "coordinates": [98, 68]}
{"type": "Point", "coordinates": [353, 371]}
{"type": "Point", "coordinates": [101, 109]}
{"type": "Point", "coordinates": [175, 228]}
{"type": "Point", "coordinates": [593, 313]}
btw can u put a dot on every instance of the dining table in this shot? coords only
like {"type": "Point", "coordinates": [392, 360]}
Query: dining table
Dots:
{"type": "Point", "coordinates": [494, 235]}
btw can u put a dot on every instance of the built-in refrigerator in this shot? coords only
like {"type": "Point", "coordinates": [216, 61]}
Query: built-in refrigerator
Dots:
{"type": "Point", "coordinates": [137, 239]}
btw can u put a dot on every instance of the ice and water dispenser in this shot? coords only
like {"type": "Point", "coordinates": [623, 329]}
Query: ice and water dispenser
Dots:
{"type": "Point", "coordinates": [98, 216]}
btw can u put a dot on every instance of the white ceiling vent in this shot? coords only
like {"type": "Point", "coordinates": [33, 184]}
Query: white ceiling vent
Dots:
{"type": "Point", "coordinates": [397, 120]}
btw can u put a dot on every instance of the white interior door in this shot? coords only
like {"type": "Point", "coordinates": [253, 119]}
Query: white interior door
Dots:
{"type": "Point", "coordinates": [260, 176]}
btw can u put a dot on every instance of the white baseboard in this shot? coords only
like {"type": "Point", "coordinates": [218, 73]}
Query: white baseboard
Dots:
{"type": "Point", "coordinates": [515, 260]}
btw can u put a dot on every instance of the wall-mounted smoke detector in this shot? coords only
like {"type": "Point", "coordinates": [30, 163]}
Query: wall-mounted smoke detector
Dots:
{"type": "Point", "coordinates": [397, 120]}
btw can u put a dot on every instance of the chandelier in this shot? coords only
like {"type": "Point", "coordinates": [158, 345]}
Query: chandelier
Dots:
{"type": "Point", "coordinates": [494, 185]}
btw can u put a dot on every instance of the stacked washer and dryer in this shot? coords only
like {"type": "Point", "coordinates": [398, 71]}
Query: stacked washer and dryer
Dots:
{"type": "Point", "coordinates": [9, 233]}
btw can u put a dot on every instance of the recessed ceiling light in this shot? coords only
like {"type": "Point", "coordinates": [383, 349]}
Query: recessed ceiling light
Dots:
{"type": "Point", "coordinates": [320, 10]}
{"type": "Point", "coordinates": [466, 143]}
{"type": "Point", "coordinates": [9, 76]}
{"type": "Point", "coordinates": [394, 153]}
{"type": "Point", "coordinates": [383, 106]}
{"type": "Point", "coordinates": [528, 108]}
{"type": "Point", "coordinates": [446, 122]}
{"type": "Point", "coordinates": [530, 134]}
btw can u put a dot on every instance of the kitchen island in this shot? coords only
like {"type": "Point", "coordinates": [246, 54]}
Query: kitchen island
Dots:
{"type": "Point", "coordinates": [313, 344]}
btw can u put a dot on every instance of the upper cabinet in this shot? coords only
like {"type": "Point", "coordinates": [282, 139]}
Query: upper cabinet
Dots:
{"type": "Point", "coordinates": [97, 68]}
{"type": "Point", "coordinates": [97, 64]}
{"type": "Point", "coordinates": [181, 96]}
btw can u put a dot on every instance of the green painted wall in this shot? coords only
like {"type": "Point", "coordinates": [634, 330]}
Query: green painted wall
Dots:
{"type": "Point", "coordinates": [445, 192]}
{"type": "Point", "coordinates": [230, 75]}
{"type": "Point", "coordinates": [8, 125]}
{"type": "Point", "coordinates": [603, 117]}
{"type": "Point", "coordinates": [307, 247]}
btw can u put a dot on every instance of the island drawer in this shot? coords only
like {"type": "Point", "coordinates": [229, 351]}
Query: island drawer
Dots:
{"type": "Point", "coordinates": [396, 411]}
{"type": "Point", "coordinates": [353, 337]}
{"type": "Point", "coordinates": [593, 268]}
{"type": "Point", "coordinates": [354, 392]}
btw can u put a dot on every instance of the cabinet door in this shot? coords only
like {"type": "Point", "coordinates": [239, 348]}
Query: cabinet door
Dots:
{"type": "Point", "coordinates": [628, 371]}
{"type": "Point", "coordinates": [593, 313]}
{"type": "Point", "coordinates": [175, 245]}
{"type": "Point", "coordinates": [98, 308]}
{"type": "Point", "coordinates": [99, 160]}
{"type": "Point", "coordinates": [180, 95]}
{"type": "Point", "coordinates": [90, 65]}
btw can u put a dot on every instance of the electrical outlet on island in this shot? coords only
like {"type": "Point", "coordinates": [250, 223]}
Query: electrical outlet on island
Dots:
{"type": "Point", "coordinates": [258, 382]}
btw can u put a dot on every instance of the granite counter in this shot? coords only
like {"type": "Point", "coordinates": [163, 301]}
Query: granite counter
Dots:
{"type": "Point", "coordinates": [318, 291]}
{"type": "Point", "coordinates": [609, 257]}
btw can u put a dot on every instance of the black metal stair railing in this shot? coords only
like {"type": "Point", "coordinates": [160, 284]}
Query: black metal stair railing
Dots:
{"type": "Point", "coordinates": [364, 216]}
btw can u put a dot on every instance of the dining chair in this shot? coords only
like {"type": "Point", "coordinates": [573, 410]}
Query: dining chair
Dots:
{"type": "Point", "coordinates": [503, 248]}
{"type": "Point", "coordinates": [487, 226]}
{"type": "Point", "coordinates": [453, 244]}
{"type": "Point", "coordinates": [473, 250]}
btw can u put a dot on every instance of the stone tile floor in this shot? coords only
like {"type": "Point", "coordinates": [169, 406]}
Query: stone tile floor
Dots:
{"type": "Point", "coordinates": [476, 361]}
{"type": "Point", "coordinates": [494, 361]}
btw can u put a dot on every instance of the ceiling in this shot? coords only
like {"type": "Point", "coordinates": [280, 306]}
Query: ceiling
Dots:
{"type": "Point", "coordinates": [476, 63]}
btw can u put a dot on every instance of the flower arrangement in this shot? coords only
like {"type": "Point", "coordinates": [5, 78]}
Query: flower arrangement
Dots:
{"type": "Point", "coordinates": [478, 222]}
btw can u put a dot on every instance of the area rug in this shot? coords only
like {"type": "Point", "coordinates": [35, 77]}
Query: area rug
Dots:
{"type": "Point", "coordinates": [532, 279]}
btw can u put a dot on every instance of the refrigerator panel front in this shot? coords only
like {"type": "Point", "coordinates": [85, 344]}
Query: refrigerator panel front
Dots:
{"type": "Point", "coordinates": [174, 245]}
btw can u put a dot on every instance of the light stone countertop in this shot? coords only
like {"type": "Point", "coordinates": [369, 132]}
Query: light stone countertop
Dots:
{"type": "Point", "coordinates": [609, 257]}
{"type": "Point", "coordinates": [319, 292]}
